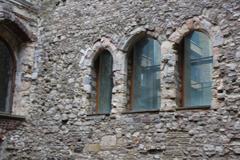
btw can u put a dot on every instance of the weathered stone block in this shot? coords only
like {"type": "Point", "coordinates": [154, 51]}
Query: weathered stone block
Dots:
{"type": "Point", "coordinates": [109, 141]}
{"type": "Point", "coordinates": [92, 148]}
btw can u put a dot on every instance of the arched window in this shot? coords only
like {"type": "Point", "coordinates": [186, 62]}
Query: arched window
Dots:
{"type": "Point", "coordinates": [145, 75]}
{"type": "Point", "coordinates": [196, 71]}
{"type": "Point", "coordinates": [6, 77]}
{"type": "Point", "coordinates": [104, 83]}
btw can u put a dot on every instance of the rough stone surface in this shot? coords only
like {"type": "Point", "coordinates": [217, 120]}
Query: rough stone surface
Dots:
{"type": "Point", "coordinates": [108, 142]}
{"type": "Point", "coordinates": [92, 147]}
{"type": "Point", "coordinates": [56, 81]}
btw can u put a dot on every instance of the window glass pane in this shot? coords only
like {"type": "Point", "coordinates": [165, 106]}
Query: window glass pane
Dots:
{"type": "Point", "coordinates": [146, 75]}
{"type": "Point", "coordinates": [1, 145]}
{"type": "Point", "coordinates": [104, 83]}
{"type": "Point", "coordinates": [5, 75]}
{"type": "Point", "coordinates": [198, 70]}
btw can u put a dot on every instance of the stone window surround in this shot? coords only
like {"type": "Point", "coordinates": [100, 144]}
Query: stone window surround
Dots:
{"type": "Point", "coordinates": [129, 52]}
{"type": "Point", "coordinates": [195, 24]}
{"type": "Point", "coordinates": [169, 56]}
{"type": "Point", "coordinates": [21, 42]}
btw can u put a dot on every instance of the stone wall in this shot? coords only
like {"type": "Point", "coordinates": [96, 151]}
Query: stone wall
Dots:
{"type": "Point", "coordinates": [61, 122]}
{"type": "Point", "coordinates": [18, 28]}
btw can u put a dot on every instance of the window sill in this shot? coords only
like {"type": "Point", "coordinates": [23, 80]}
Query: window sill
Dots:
{"type": "Point", "coordinates": [154, 111]}
{"type": "Point", "coordinates": [139, 112]}
{"type": "Point", "coordinates": [9, 116]}
{"type": "Point", "coordinates": [98, 114]}
{"type": "Point", "coordinates": [194, 108]}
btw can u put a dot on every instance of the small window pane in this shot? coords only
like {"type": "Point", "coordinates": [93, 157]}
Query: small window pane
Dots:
{"type": "Point", "coordinates": [104, 81]}
{"type": "Point", "coordinates": [198, 70]}
{"type": "Point", "coordinates": [146, 75]}
{"type": "Point", "coordinates": [5, 76]}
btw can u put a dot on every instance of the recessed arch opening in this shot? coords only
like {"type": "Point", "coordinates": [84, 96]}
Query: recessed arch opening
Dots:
{"type": "Point", "coordinates": [18, 29]}
{"type": "Point", "coordinates": [194, 79]}
{"type": "Point", "coordinates": [102, 82]}
{"type": "Point", "coordinates": [7, 79]}
{"type": "Point", "coordinates": [143, 70]}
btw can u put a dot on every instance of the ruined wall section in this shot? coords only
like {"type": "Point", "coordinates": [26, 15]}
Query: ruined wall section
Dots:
{"type": "Point", "coordinates": [18, 28]}
{"type": "Point", "coordinates": [59, 124]}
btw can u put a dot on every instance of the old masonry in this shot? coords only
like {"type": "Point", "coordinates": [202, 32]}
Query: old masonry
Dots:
{"type": "Point", "coordinates": [119, 80]}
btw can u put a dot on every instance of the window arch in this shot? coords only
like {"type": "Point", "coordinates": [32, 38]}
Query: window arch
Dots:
{"type": "Point", "coordinates": [144, 75]}
{"type": "Point", "coordinates": [7, 72]}
{"type": "Point", "coordinates": [195, 68]}
{"type": "Point", "coordinates": [104, 83]}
